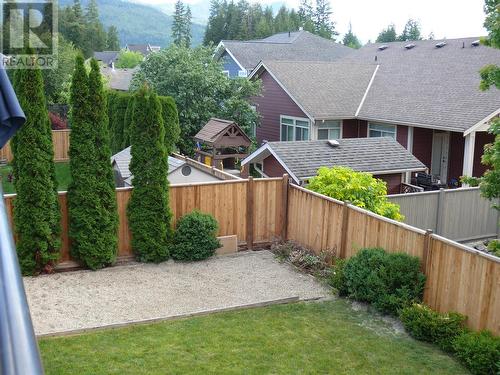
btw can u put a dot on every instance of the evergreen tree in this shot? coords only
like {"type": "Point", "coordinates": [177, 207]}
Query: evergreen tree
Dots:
{"type": "Point", "coordinates": [90, 217]}
{"type": "Point", "coordinates": [324, 26]}
{"type": "Point", "coordinates": [187, 27]}
{"type": "Point", "coordinates": [117, 127]}
{"type": "Point", "coordinates": [351, 40]}
{"type": "Point", "coordinates": [181, 26]}
{"type": "Point", "coordinates": [36, 208]}
{"type": "Point", "coordinates": [148, 211]}
{"type": "Point", "coordinates": [387, 35]}
{"type": "Point", "coordinates": [411, 31]}
{"type": "Point", "coordinates": [127, 122]}
{"type": "Point", "coordinates": [306, 14]}
{"type": "Point", "coordinates": [216, 21]}
{"type": "Point", "coordinates": [112, 42]}
{"type": "Point", "coordinates": [170, 121]}
{"type": "Point", "coordinates": [95, 35]}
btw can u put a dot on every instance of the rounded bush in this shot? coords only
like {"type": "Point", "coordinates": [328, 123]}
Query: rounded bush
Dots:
{"type": "Point", "coordinates": [389, 281]}
{"type": "Point", "coordinates": [478, 351]}
{"type": "Point", "coordinates": [337, 277]}
{"type": "Point", "coordinates": [195, 237]}
{"type": "Point", "coordinates": [425, 324]}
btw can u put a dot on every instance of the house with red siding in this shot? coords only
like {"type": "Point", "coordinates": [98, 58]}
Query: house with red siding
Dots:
{"type": "Point", "coordinates": [383, 157]}
{"type": "Point", "coordinates": [424, 94]}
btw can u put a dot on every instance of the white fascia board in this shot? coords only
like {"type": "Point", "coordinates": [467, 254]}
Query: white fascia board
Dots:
{"type": "Point", "coordinates": [477, 126]}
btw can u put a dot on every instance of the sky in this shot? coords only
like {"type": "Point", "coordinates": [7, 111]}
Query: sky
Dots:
{"type": "Point", "coordinates": [445, 18]}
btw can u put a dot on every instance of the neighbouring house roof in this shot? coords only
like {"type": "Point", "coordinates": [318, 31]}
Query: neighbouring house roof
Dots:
{"type": "Point", "coordinates": [145, 49]}
{"type": "Point", "coordinates": [122, 161]}
{"type": "Point", "coordinates": [302, 159]}
{"type": "Point", "coordinates": [425, 85]}
{"type": "Point", "coordinates": [299, 46]}
{"type": "Point", "coordinates": [215, 129]}
{"type": "Point", "coordinates": [118, 79]}
{"type": "Point", "coordinates": [107, 57]}
{"type": "Point", "coordinates": [323, 90]}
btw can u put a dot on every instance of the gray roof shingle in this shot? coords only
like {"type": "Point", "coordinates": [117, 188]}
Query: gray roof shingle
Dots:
{"type": "Point", "coordinates": [118, 79]}
{"type": "Point", "coordinates": [304, 158]}
{"type": "Point", "coordinates": [300, 46]}
{"type": "Point", "coordinates": [107, 57]}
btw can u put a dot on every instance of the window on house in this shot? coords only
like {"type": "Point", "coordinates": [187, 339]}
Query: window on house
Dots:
{"type": "Point", "coordinates": [329, 129]}
{"type": "Point", "coordinates": [242, 73]}
{"type": "Point", "coordinates": [225, 72]}
{"type": "Point", "coordinates": [294, 129]}
{"type": "Point", "coordinates": [381, 130]}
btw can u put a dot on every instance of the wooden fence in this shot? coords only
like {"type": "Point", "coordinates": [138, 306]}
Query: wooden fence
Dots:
{"type": "Point", "coordinates": [258, 211]}
{"type": "Point", "coordinates": [458, 214]}
{"type": "Point", "coordinates": [60, 140]}
{"type": "Point", "coordinates": [458, 277]}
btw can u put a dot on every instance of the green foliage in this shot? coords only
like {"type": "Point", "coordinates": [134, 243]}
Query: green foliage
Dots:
{"type": "Point", "coordinates": [112, 42]}
{"type": "Point", "coordinates": [387, 35]}
{"type": "Point", "coordinates": [91, 202]}
{"type": "Point", "coordinates": [181, 25]}
{"type": "Point", "coordinates": [479, 352]}
{"type": "Point", "coordinates": [337, 277]}
{"type": "Point", "coordinates": [148, 210]}
{"type": "Point", "coordinates": [425, 324]}
{"type": "Point", "coordinates": [118, 125]}
{"type": "Point", "coordinates": [494, 247]}
{"type": "Point", "coordinates": [195, 237]}
{"type": "Point", "coordinates": [411, 31]}
{"type": "Point", "coordinates": [36, 208]}
{"type": "Point", "coordinates": [201, 91]}
{"type": "Point", "coordinates": [359, 188]}
{"type": "Point", "coordinates": [58, 81]}
{"type": "Point", "coordinates": [128, 59]}
{"type": "Point", "coordinates": [170, 121]}
{"type": "Point", "coordinates": [388, 281]}
{"type": "Point", "coordinates": [351, 40]}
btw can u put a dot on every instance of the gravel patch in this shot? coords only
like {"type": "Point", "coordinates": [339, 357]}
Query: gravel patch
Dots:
{"type": "Point", "coordinates": [90, 299]}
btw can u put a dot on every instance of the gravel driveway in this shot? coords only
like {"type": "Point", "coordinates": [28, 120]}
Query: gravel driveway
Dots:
{"type": "Point", "coordinates": [87, 299]}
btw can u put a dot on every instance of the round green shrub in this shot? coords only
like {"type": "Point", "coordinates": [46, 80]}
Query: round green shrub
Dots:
{"type": "Point", "coordinates": [478, 351]}
{"type": "Point", "coordinates": [195, 237]}
{"type": "Point", "coordinates": [389, 281]}
{"type": "Point", "coordinates": [337, 277]}
{"type": "Point", "coordinates": [425, 324]}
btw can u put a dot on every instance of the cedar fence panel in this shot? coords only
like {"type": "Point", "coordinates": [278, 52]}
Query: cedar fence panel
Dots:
{"type": "Point", "coordinates": [458, 278]}
{"type": "Point", "coordinates": [60, 141]}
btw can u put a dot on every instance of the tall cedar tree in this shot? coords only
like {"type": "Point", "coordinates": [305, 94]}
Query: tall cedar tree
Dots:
{"type": "Point", "coordinates": [127, 122]}
{"type": "Point", "coordinates": [117, 126]}
{"type": "Point", "coordinates": [181, 26]}
{"type": "Point", "coordinates": [91, 241]}
{"type": "Point", "coordinates": [36, 208]}
{"type": "Point", "coordinates": [170, 122]}
{"type": "Point", "coordinates": [112, 41]}
{"type": "Point", "coordinates": [148, 210]}
{"type": "Point", "coordinates": [105, 184]}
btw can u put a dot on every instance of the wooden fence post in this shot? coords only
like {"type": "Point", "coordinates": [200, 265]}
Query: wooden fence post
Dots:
{"type": "Point", "coordinates": [427, 249]}
{"type": "Point", "coordinates": [344, 229]}
{"type": "Point", "coordinates": [284, 207]}
{"type": "Point", "coordinates": [250, 202]}
{"type": "Point", "coordinates": [441, 206]}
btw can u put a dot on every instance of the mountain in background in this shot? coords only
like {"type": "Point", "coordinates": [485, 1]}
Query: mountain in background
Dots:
{"type": "Point", "coordinates": [138, 23]}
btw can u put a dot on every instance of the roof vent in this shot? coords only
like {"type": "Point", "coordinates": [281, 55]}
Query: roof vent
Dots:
{"type": "Point", "coordinates": [476, 43]}
{"type": "Point", "coordinates": [333, 143]}
{"type": "Point", "coordinates": [410, 46]}
{"type": "Point", "coordinates": [440, 45]}
{"type": "Point", "coordinates": [382, 47]}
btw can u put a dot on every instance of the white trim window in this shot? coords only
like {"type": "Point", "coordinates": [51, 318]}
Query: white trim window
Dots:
{"type": "Point", "coordinates": [381, 130]}
{"type": "Point", "coordinates": [226, 73]}
{"type": "Point", "coordinates": [329, 129]}
{"type": "Point", "coordinates": [294, 128]}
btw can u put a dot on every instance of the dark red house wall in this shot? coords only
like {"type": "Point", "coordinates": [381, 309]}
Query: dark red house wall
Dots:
{"type": "Point", "coordinates": [402, 135]}
{"type": "Point", "coordinates": [422, 145]}
{"type": "Point", "coordinates": [482, 138]}
{"type": "Point", "coordinates": [456, 156]}
{"type": "Point", "coordinates": [272, 168]}
{"type": "Point", "coordinates": [353, 128]}
{"type": "Point", "coordinates": [393, 182]}
{"type": "Point", "coordinates": [273, 103]}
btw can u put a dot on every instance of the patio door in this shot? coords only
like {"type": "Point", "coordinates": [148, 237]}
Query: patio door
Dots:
{"type": "Point", "coordinates": [440, 151]}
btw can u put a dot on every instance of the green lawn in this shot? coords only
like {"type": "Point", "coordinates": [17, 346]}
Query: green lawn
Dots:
{"type": "Point", "coordinates": [313, 338]}
{"type": "Point", "coordinates": [62, 175]}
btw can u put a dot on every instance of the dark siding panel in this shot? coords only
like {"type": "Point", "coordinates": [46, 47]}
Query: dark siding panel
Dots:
{"type": "Point", "coordinates": [482, 138]}
{"type": "Point", "coordinates": [273, 168]}
{"type": "Point", "coordinates": [422, 145]}
{"type": "Point", "coordinates": [362, 128]}
{"type": "Point", "coordinates": [456, 156]}
{"type": "Point", "coordinates": [402, 135]}
{"type": "Point", "coordinates": [393, 182]}
{"type": "Point", "coordinates": [350, 128]}
{"type": "Point", "coordinates": [273, 103]}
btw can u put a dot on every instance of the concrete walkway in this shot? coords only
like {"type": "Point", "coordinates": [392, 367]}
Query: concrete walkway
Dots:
{"type": "Point", "coordinates": [86, 299]}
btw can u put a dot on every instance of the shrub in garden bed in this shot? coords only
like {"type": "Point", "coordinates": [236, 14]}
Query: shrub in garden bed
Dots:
{"type": "Point", "coordinates": [195, 237]}
{"type": "Point", "coordinates": [425, 324]}
{"type": "Point", "coordinates": [388, 281]}
{"type": "Point", "coordinates": [479, 352]}
{"type": "Point", "coordinates": [337, 277]}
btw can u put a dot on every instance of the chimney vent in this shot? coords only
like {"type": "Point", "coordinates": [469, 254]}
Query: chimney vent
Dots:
{"type": "Point", "coordinates": [382, 47]}
{"type": "Point", "coordinates": [440, 44]}
{"type": "Point", "coordinates": [476, 43]}
{"type": "Point", "coordinates": [410, 46]}
{"type": "Point", "coordinates": [333, 143]}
